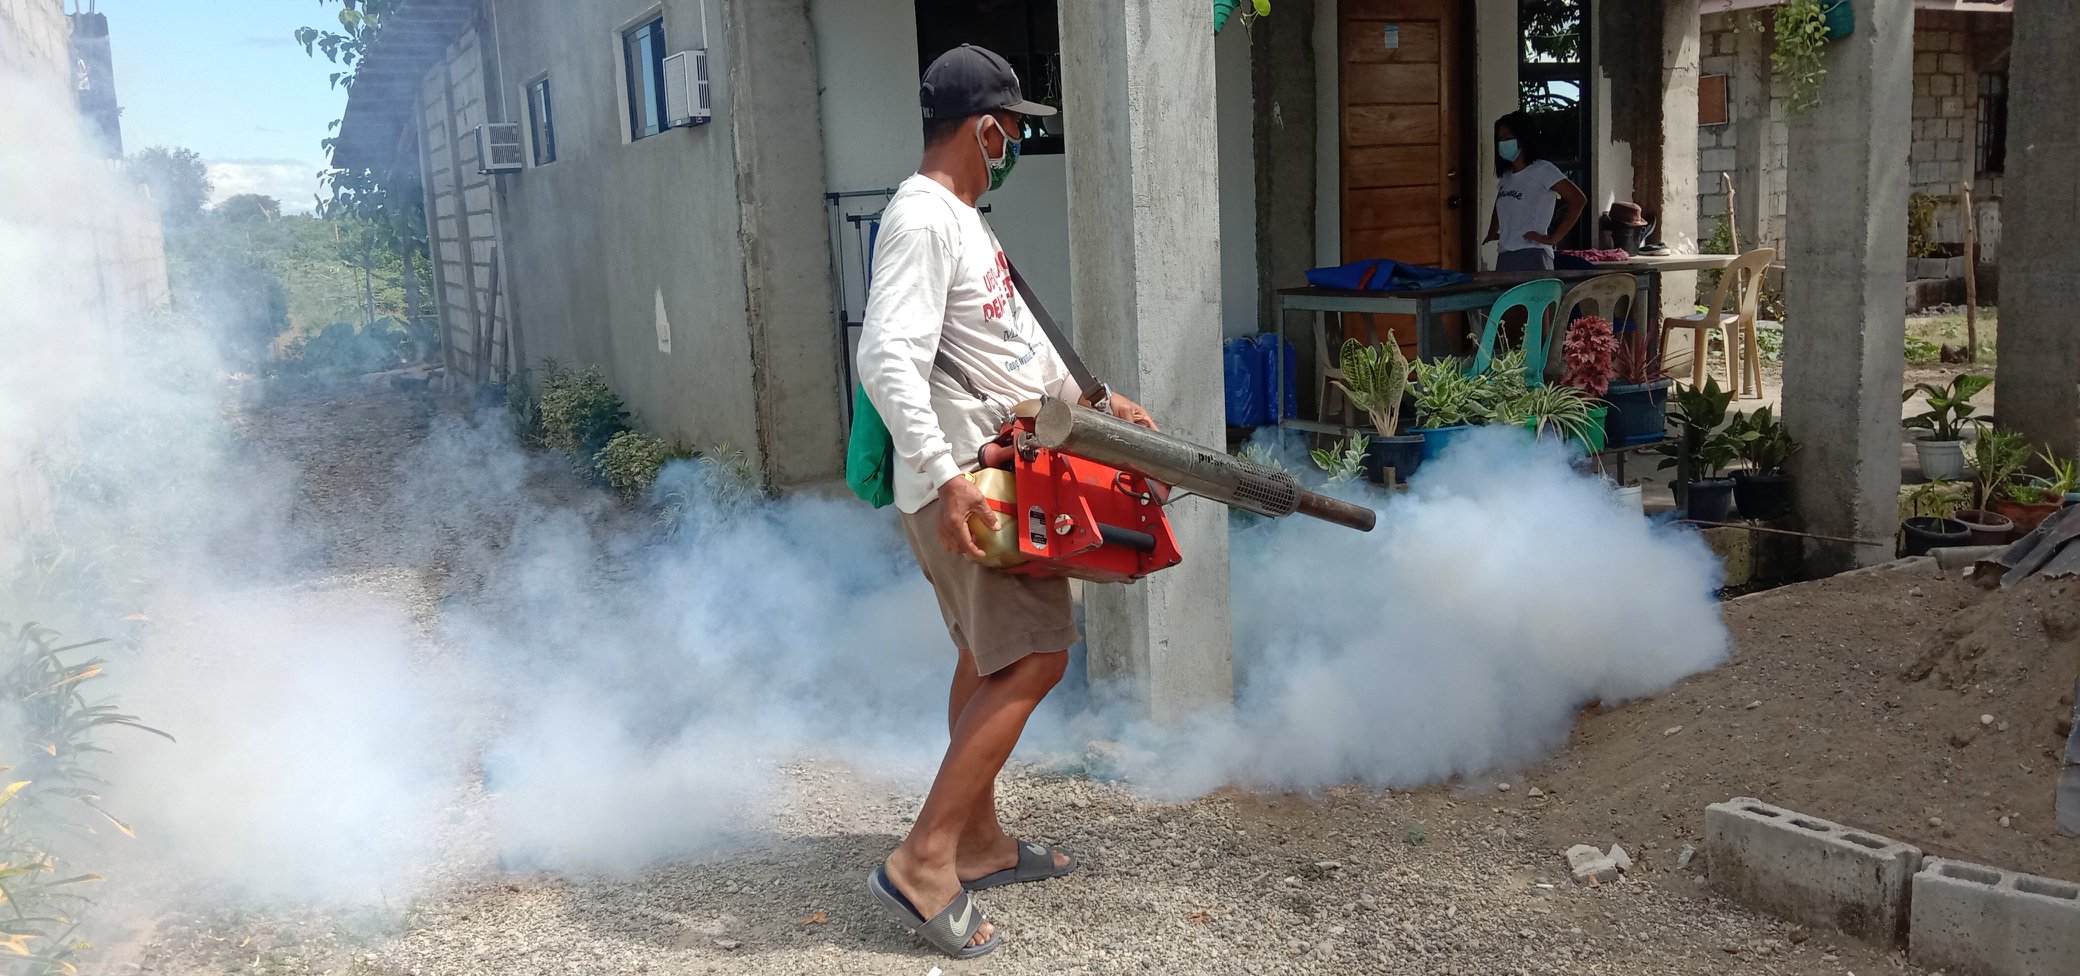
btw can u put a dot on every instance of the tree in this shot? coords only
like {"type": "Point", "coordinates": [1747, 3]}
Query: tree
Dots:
{"type": "Point", "coordinates": [386, 216]}
{"type": "Point", "coordinates": [249, 206]}
{"type": "Point", "coordinates": [359, 21]}
{"type": "Point", "coordinates": [177, 178]}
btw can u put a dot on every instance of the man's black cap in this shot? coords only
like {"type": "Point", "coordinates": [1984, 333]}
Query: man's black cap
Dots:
{"type": "Point", "coordinates": [970, 80]}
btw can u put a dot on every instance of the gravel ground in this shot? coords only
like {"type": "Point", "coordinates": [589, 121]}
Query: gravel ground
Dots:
{"type": "Point", "coordinates": [1450, 880]}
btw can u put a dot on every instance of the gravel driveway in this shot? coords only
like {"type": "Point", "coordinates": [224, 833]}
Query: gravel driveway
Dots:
{"type": "Point", "coordinates": [1441, 881]}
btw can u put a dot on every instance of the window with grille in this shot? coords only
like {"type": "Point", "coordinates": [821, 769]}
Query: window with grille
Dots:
{"type": "Point", "coordinates": [1993, 123]}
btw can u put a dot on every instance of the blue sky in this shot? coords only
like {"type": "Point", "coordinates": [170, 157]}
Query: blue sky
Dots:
{"type": "Point", "coordinates": [226, 79]}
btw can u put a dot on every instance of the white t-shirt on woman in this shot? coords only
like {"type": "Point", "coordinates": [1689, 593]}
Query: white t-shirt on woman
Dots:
{"type": "Point", "coordinates": [1524, 204]}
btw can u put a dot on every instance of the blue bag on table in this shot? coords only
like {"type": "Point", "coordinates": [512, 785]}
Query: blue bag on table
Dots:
{"type": "Point", "coordinates": [1382, 274]}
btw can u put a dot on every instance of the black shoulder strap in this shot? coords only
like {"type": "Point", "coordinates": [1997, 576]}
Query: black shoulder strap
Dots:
{"type": "Point", "coordinates": [1086, 384]}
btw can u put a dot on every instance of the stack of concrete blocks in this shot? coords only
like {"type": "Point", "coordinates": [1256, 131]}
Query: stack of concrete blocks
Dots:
{"type": "Point", "coordinates": [1810, 870]}
{"type": "Point", "coordinates": [1967, 919]}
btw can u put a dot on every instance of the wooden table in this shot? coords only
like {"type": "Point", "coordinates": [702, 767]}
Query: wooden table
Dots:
{"type": "Point", "coordinates": [1428, 305]}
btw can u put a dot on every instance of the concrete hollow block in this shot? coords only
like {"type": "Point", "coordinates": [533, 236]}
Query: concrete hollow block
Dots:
{"type": "Point", "coordinates": [1973, 919]}
{"type": "Point", "coordinates": [1809, 870]}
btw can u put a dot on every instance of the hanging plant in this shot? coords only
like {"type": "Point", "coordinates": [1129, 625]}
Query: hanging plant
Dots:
{"type": "Point", "coordinates": [1802, 34]}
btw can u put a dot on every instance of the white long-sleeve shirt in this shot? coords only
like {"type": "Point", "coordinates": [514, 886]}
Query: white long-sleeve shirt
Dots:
{"type": "Point", "coordinates": [941, 281]}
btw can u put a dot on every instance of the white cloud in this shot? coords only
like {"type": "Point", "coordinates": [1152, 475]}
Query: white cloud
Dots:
{"type": "Point", "coordinates": [291, 181]}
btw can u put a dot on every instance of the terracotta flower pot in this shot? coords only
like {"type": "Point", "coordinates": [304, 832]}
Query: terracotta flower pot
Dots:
{"type": "Point", "coordinates": [2026, 515]}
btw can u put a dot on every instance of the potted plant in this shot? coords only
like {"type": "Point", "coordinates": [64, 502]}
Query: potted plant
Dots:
{"type": "Point", "coordinates": [1701, 450]}
{"type": "Point", "coordinates": [1447, 402]}
{"type": "Point", "coordinates": [2027, 505]}
{"type": "Point", "coordinates": [1762, 490]}
{"type": "Point", "coordinates": [1926, 524]}
{"type": "Point", "coordinates": [1803, 28]}
{"type": "Point", "coordinates": [2063, 485]}
{"type": "Point", "coordinates": [1949, 413]}
{"type": "Point", "coordinates": [1589, 353]}
{"type": "Point", "coordinates": [1343, 462]}
{"type": "Point", "coordinates": [1638, 392]}
{"type": "Point", "coordinates": [1375, 379]}
{"type": "Point", "coordinates": [1996, 457]}
{"type": "Point", "coordinates": [1554, 410]}
{"type": "Point", "coordinates": [1503, 381]}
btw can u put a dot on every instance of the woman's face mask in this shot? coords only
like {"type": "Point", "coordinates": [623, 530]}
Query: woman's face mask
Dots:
{"type": "Point", "coordinates": [999, 166]}
{"type": "Point", "coordinates": [1507, 149]}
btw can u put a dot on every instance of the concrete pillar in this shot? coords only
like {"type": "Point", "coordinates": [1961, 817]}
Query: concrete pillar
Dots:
{"type": "Point", "coordinates": [1144, 270]}
{"type": "Point", "coordinates": [1282, 73]}
{"type": "Point", "coordinates": [1751, 137]}
{"type": "Point", "coordinates": [1678, 202]}
{"type": "Point", "coordinates": [1650, 56]}
{"type": "Point", "coordinates": [776, 118]}
{"type": "Point", "coordinates": [1847, 236]}
{"type": "Point", "coordinates": [2037, 384]}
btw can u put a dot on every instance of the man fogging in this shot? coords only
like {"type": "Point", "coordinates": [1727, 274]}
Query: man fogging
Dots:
{"type": "Point", "coordinates": [1013, 470]}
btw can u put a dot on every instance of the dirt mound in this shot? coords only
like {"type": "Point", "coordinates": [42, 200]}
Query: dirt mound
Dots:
{"type": "Point", "coordinates": [2005, 643]}
{"type": "Point", "coordinates": [1915, 706]}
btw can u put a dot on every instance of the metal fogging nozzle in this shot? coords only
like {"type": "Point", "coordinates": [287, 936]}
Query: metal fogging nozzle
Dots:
{"type": "Point", "coordinates": [1083, 432]}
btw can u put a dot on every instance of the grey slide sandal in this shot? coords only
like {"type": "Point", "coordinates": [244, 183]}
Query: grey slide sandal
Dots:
{"type": "Point", "coordinates": [1035, 863]}
{"type": "Point", "coordinates": [948, 931]}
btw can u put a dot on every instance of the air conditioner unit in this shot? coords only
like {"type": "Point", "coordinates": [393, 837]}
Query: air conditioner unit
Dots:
{"type": "Point", "coordinates": [499, 149]}
{"type": "Point", "coordinates": [686, 93]}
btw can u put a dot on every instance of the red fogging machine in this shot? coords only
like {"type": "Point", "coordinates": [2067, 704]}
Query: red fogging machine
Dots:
{"type": "Point", "coordinates": [1080, 493]}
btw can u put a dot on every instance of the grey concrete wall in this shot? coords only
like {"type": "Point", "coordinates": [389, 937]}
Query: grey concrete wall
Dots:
{"type": "Point", "coordinates": [1847, 241]}
{"type": "Point", "coordinates": [2037, 385]}
{"type": "Point", "coordinates": [84, 261]}
{"type": "Point", "coordinates": [1145, 254]}
{"type": "Point", "coordinates": [107, 256]}
{"type": "Point", "coordinates": [779, 137]}
{"type": "Point", "coordinates": [633, 254]}
{"type": "Point", "coordinates": [35, 39]}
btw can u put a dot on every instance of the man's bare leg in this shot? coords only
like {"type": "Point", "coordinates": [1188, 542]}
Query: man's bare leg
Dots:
{"type": "Point", "coordinates": [924, 867]}
{"type": "Point", "coordinates": [984, 847]}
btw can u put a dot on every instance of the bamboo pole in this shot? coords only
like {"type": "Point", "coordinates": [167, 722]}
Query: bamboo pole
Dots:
{"type": "Point", "coordinates": [1971, 278]}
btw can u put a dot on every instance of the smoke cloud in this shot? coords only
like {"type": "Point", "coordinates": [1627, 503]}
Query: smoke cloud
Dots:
{"type": "Point", "coordinates": [1497, 597]}
{"type": "Point", "coordinates": [474, 665]}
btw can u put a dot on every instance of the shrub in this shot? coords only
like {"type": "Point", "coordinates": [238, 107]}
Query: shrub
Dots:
{"type": "Point", "coordinates": [45, 787]}
{"type": "Point", "coordinates": [719, 484]}
{"type": "Point", "coordinates": [347, 349]}
{"type": "Point", "coordinates": [578, 412]}
{"type": "Point", "coordinates": [630, 461]}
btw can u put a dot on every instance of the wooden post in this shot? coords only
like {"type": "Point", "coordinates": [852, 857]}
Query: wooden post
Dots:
{"type": "Point", "coordinates": [1971, 277]}
{"type": "Point", "coordinates": [1733, 224]}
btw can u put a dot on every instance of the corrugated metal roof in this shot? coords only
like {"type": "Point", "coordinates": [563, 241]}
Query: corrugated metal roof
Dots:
{"type": "Point", "coordinates": [386, 86]}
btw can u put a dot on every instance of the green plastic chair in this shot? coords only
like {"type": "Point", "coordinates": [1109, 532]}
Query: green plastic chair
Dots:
{"type": "Point", "coordinates": [1540, 301]}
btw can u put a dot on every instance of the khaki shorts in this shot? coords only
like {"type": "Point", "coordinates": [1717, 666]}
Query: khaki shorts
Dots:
{"type": "Point", "coordinates": [990, 613]}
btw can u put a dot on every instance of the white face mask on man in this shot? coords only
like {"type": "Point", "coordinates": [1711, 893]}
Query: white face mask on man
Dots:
{"type": "Point", "coordinates": [999, 166]}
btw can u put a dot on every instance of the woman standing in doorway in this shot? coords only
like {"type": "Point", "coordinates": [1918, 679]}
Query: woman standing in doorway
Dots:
{"type": "Point", "coordinates": [1530, 186]}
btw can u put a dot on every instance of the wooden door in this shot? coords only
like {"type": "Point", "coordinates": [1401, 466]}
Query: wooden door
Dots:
{"type": "Point", "coordinates": [1405, 177]}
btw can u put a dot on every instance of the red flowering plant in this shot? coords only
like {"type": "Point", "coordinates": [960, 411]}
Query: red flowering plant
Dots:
{"type": "Point", "coordinates": [1588, 352]}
